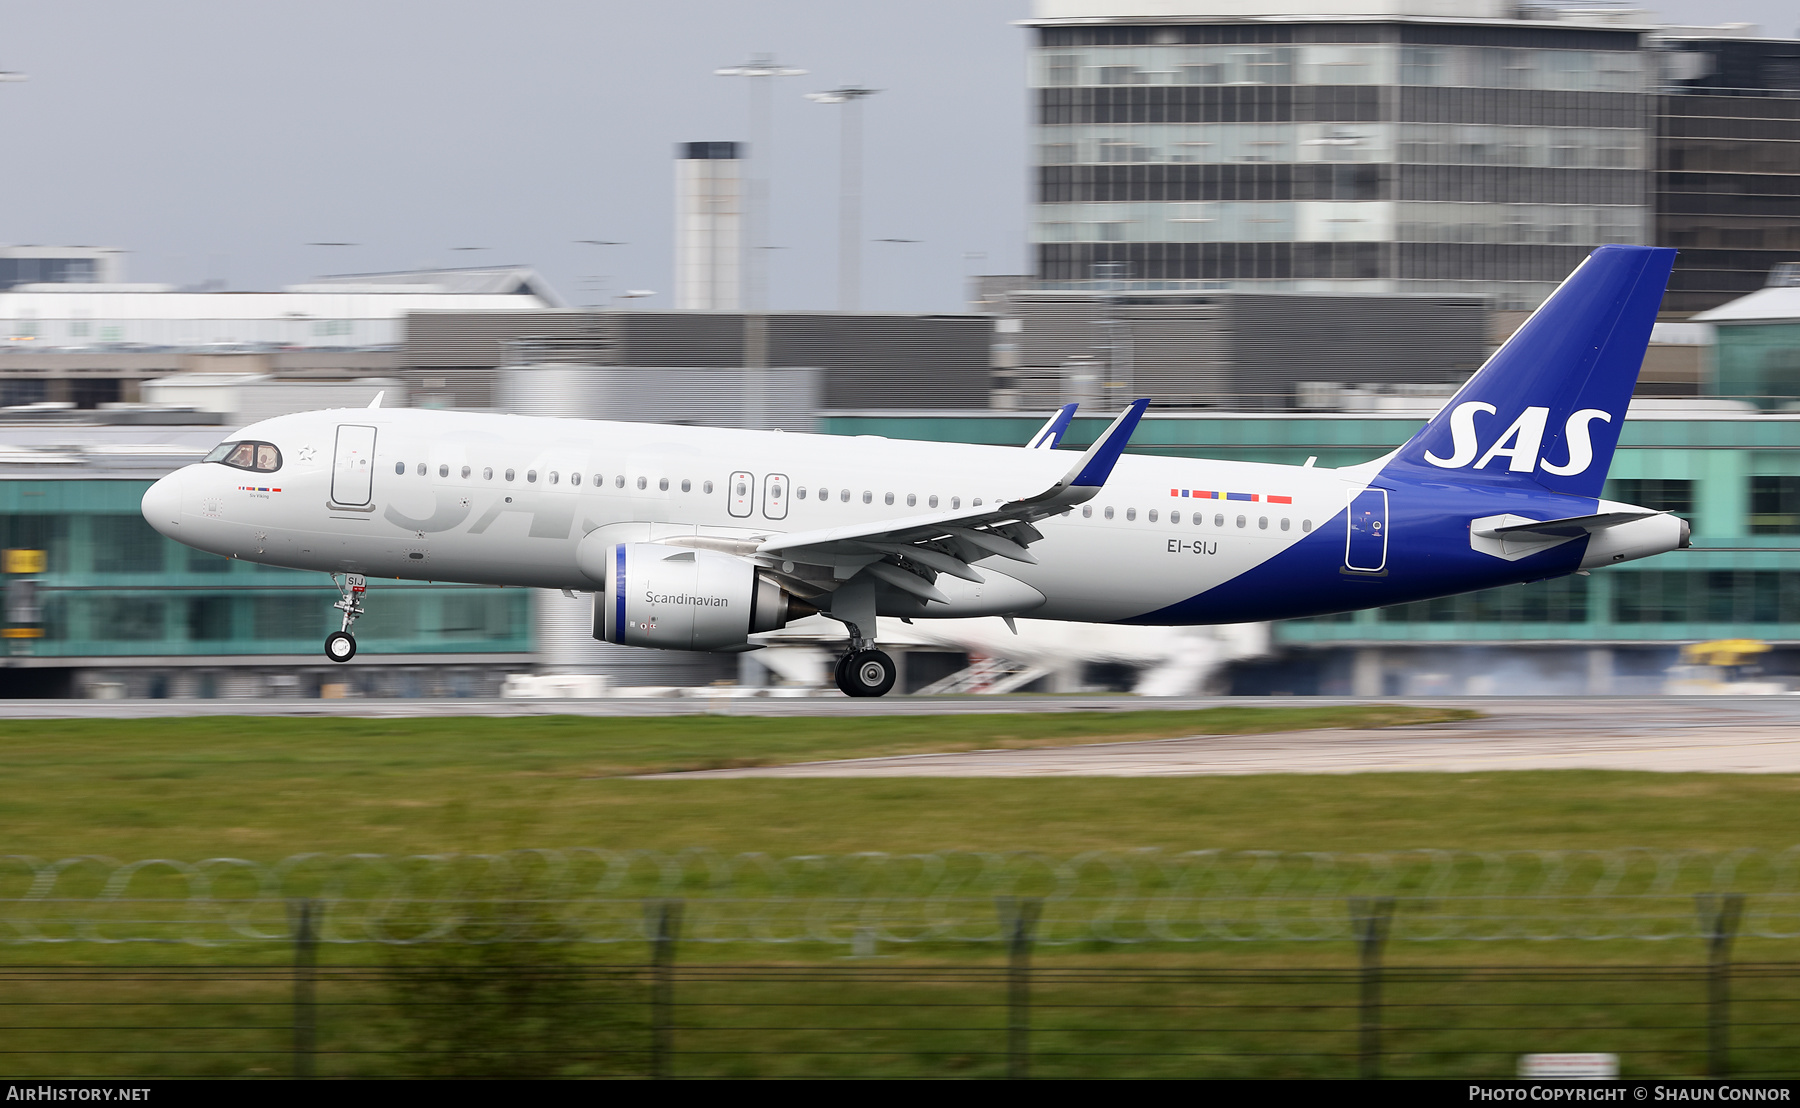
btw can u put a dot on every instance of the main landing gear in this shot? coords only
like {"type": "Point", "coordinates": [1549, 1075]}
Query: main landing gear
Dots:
{"type": "Point", "coordinates": [863, 670]}
{"type": "Point", "coordinates": [866, 673]}
{"type": "Point", "coordinates": [340, 646]}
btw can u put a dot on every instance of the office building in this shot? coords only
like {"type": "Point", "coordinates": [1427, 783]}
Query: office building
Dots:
{"type": "Point", "coordinates": [1388, 147]}
{"type": "Point", "coordinates": [1727, 161]}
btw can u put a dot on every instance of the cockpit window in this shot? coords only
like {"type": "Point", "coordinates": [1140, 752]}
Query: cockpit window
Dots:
{"type": "Point", "coordinates": [262, 457]}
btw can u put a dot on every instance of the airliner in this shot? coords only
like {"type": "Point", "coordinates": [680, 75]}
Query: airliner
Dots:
{"type": "Point", "coordinates": [694, 538]}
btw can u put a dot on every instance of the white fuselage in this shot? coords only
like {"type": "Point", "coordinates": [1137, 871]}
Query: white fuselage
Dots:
{"type": "Point", "coordinates": [440, 504]}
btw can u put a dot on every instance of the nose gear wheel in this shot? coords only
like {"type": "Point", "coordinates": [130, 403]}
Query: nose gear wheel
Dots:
{"type": "Point", "coordinates": [340, 646]}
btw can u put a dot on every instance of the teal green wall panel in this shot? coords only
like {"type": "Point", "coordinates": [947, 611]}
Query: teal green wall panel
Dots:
{"type": "Point", "coordinates": [114, 587]}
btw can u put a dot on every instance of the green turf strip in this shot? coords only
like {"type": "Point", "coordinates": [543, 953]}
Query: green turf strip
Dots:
{"type": "Point", "coordinates": [266, 788]}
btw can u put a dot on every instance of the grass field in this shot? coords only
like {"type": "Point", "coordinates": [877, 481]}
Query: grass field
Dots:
{"type": "Point", "coordinates": [266, 788]}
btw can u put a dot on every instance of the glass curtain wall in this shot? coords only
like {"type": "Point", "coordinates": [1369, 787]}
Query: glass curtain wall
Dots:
{"type": "Point", "coordinates": [1384, 158]}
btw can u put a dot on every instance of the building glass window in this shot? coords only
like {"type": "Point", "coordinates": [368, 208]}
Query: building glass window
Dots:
{"type": "Point", "coordinates": [1562, 600]}
{"type": "Point", "coordinates": [1706, 596]}
{"type": "Point", "coordinates": [126, 544]}
{"type": "Point", "coordinates": [1774, 505]}
{"type": "Point", "coordinates": [1657, 494]}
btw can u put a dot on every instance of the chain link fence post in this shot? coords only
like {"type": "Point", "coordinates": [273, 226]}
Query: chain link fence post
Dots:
{"type": "Point", "coordinates": [1372, 915]}
{"type": "Point", "coordinates": [1719, 918]}
{"type": "Point", "coordinates": [305, 916]}
{"type": "Point", "coordinates": [1018, 919]}
{"type": "Point", "coordinates": [664, 919]}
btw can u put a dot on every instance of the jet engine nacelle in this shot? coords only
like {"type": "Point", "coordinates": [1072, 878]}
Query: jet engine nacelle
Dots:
{"type": "Point", "coordinates": [680, 598]}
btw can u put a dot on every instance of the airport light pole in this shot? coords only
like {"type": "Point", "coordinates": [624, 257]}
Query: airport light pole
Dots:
{"type": "Point", "coordinates": [849, 190]}
{"type": "Point", "coordinates": [760, 67]}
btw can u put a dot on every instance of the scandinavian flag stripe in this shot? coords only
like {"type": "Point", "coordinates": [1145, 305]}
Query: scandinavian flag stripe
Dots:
{"type": "Point", "coordinates": [1203, 494]}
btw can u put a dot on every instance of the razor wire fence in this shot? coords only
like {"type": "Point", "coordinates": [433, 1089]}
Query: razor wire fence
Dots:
{"type": "Point", "coordinates": [867, 899]}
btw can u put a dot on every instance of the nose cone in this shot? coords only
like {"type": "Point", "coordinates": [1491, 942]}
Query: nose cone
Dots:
{"type": "Point", "coordinates": [162, 505]}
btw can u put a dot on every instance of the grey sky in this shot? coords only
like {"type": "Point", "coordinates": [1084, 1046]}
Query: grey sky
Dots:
{"type": "Point", "coordinates": [213, 138]}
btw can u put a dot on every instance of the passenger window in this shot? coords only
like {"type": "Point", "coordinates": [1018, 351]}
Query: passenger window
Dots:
{"type": "Point", "coordinates": [868, 497]}
{"type": "Point", "coordinates": [421, 469]}
{"type": "Point", "coordinates": [509, 474]}
{"type": "Point", "coordinates": [888, 499]}
{"type": "Point", "coordinates": [662, 485]}
{"type": "Point", "coordinates": [1131, 513]}
{"type": "Point", "coordinates": [1240, 521]}
{"type": "Point", "coordinates": [465, 473]}
{"type": "Point", "coordinates": [1284, 525]}
{"type": "Point", "coordinates": [955, 503]}
{"type": "Point", "coordinates": [1108, 513]}
{"type": "Point", "coordinates": [553, 477]}
{"type": "Point", "coordinates": [911, 500]}
{"type": "Point", "coordinates": [643, 483]}
{"type": "Point", "coordinates": [443, 471]}
{"type": "Point", "coordinates": [574, 478]}
{"type": "Point", "coordinates": [686, 485]}
{"type": "Point", "coordinates": [531, 476]}
{"type": "Point", "coordinates": [975, 503]}
{"type": "Point", "coordinates": [844, 495]}
{"type": "Point", "coordinates": [706, 487]}
{"type": "Point", "coordinates": [800, 493]}
{"type": "Point", "coordinates": [1174, 517]}
{"type": "Point", "coordinates": [1305, 526]}
{"type": "Point", "coordinates": [1198, 519]}
{"type": "Point", "coordinates": [400, 468]}
{"type": "Point", "coordinates": [1262, 523]}
{"type": "Point", "coordinates": [1087, 511]}
{"type": "Point", "coordinates": [1219, 520]}
{"type": "Point", "coordinates": [619, 481]}
{"type": "Point", "coordinates": [1152, 516]}
{"type": "Point", "coordinates": [487, 473]}
{"type": "Point", "coordinates": [933, 501]}
{"type": "Point", "coordinates": [599, 480]}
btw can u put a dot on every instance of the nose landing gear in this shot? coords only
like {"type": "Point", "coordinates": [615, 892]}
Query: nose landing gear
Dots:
{"type": "Point", "coordinates": [340, 646]}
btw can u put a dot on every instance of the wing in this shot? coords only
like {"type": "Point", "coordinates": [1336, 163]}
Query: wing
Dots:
{"type": "Point", "coordinates": [1051, 433]}
{"type": "Point", "coordinates": [909, 552]}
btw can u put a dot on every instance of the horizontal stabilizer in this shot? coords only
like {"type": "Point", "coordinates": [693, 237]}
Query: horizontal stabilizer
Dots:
{"type": "Point", "coordinates": [1572, 527]}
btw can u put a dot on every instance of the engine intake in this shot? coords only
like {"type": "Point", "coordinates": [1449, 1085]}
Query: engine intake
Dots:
{"type": "Point", "coordinates": [679, 598]}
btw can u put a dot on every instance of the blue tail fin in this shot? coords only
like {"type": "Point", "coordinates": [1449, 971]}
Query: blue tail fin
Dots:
{"type": "Point", "coordinates": [1548, 406]}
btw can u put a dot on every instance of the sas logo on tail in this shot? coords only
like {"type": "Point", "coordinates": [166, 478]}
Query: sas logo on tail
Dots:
{"type": "Point", "coordinates": [1521, 442]}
